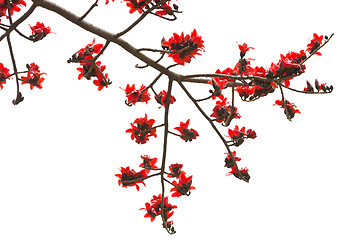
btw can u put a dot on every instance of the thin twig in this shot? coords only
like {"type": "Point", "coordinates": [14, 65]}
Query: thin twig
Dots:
{"type": "Point", "coordinates": [316, 50]}
{"type": "Point", "coordinates": [89, 10]}
{"type": "Point", "coordinates": [299, 91]}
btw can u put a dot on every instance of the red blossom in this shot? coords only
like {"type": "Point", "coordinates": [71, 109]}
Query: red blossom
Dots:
{"type": "Point", "coordinates": [289, 108]}
{"type": "Point", "coordinates": [14, 7]}
{"type": "Point", "coordinates": [175, 170]}
{"type": "Point", "coordinates": [148, 162]}
{"type": "Point", "coordinates": [237, 136]}
{"type": "Point", "coordinates": [107, 1]}
{"type": "Point", "coordinates": [88, 71]}
{"type": "Point", "coordinates": [314, 44]}
{"type": "Point", "coordinates": [39, 31]}
{"type": "Point", "coordinates": [222, 111]}
{"type": "Point", "coordinates": [229, 161]}
{"type": "Point", "coordinates": [243, 49]}
{"type": "Point", "coordinates": [128, 177]}
{"type": "Point", "coordinates": [161, 97]}
{"type": "Point", "coordinates": [4, 73]}
{"type": "Point", "coordinates": [33, 76]}
{"type": "Point", "coordinates": [87, 52]}
{"type": "Point", "coordinates": [136, 5]}
{"type": "Point", "coordinates": [102, 82]}
{"type": "Point", "coordinates": [246, 91]}
{"type": "Point", "coordinates": [242, 175]}
{"type": "Point", "coordinates": [153, 208]}
{"type": "Point", "coordinates": [184, 47]}
{"type": "Point", "coordinates": [183, 186]}
{"type": "Point", "coordinates": [243, 67]}
{"type": "Point", "coordinates": [186, 133]}
{"type": "Point", "coordinates": [165, 10]}
{"type": "Point", "coordinates": [142, 129]}
{"type": "Point", "coordinates": [136, 95]}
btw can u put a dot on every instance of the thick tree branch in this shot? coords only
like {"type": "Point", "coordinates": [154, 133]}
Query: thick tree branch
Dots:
{"type": "Point", "coordinates": [106, 35]}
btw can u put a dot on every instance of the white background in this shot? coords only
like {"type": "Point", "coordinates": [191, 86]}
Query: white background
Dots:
{"type": "Point", "coordinates": [61, 147]}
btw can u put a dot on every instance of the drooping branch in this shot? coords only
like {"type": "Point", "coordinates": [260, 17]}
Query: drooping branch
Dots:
{"type": "Point", "coordinates": [163, 161]}
{"type": "Point", "coordinates": [214, 128]}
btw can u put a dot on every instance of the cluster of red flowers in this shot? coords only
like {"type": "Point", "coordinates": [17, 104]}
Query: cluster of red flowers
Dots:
{"type": "Point", "coordinates": [153, 209]}
{"type": "Point", "coordinates": [238, 136]}
{"type": "Point", "coordinates": [141, 6]}
{"type": "Point", "coordinates": [183, 47]}
{"type": "Point", "coordinates": [186, 133]}
{"type": "Point", "coordinates": [181, 186]}
{"type": "Point", "coordinates": [4, 73]}
{"type": "Point", "coordinates": [90, 69]}
{"type": "Point", "coordinates": [14, 7]}
{"type": "Point", "coordinates": [223, 111]}
{"type": "Point", "coordinates": [136, 95]}
{"type": "Point", "coordinates": [265, 79]}
{"type": "Point", "coordinates": [33, 76]}
{"type": "Point", "coordinates": [39, 31]}
{"type": "Point", "coordinates": [142, 129]}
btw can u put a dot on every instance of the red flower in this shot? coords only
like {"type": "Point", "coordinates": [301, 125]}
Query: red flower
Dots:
{"type": "Point", "coordinates": [107, 1]}
{"type": "Point", "coordinates": [238, 136]}
{"type": "Point", "coordinates": [165, 10]}
{"type": "Point", "coordinates": [243, 67]}
{"type": "Point", "coordinates": [136, 5]}
{"type": "Point", "coordinates": [129, 177]}
{"type": "Point", "coordinates": [175, 170]}
{"type": "Point", "coordinates": [39, 31]}
{"type": "Point", "coordinates": [245, 91]}
{"type": "Point", "coordinates": [314, 44]}
{"type": "Point", "coordinates": [14, 7]}
{"type": "Point", "coordinates": [184, 47]}
{"type": "Point", "coordinates": [153, 208]}
{"type": "Point", "coordinates": [243, 49]}
{"type": "Point", "coordinates": [161, 97]}
{"type": "Point", "coordinates": [142, 129]}
{"type": "Point", "coordinates": [242, 175]}
{"type": "Point", "coordinates": [229, 161]}
{"type": "Point", "coordinates": [86, 52]}
{"type": "Point", "coordinates": [102, 82]}
{"type": "Point", "coordinates": [258, 71]}
{"type": "Point", "coordinates": [186, 133]}
{"type": "Point", "coordinates": [289, 108]}
{"type": "Point", "coordinates": [136, 95]}
{"type": "Point", "coordinates": [148, 162]}
{"type": "Point", "coordinates": [33, 76]}
{"type": "Point", "coordinates": [222, 111]}
{"type": "Point", "coordinates": [85, 70]}
{"type": "Point", "coordinates": [183, 186]}
{"type": "Point", "coordinates": [4, 73]}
